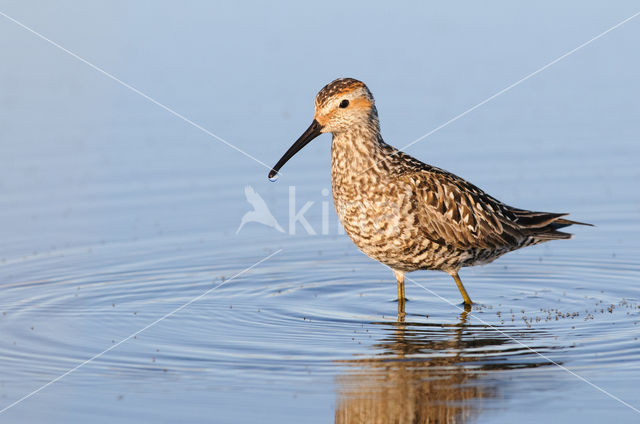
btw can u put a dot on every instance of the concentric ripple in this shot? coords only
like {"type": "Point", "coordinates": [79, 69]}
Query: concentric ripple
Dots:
{"type": "Point", "coordinates": [290, 318]}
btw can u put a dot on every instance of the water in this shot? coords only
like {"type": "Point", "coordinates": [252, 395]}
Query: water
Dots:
{"type": "Point", "coordinates": [115, 214]}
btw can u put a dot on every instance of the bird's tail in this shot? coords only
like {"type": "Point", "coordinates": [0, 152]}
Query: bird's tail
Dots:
{"type": "Point", "coordinates": [544, 226]}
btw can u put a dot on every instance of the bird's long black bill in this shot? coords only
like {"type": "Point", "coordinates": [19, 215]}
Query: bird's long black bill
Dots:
{"type": "Point", "coordinates": [314, 130]}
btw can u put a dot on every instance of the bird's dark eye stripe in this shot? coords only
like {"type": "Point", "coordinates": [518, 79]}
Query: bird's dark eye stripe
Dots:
{"type": "Point", "coordinates": [344, 103]}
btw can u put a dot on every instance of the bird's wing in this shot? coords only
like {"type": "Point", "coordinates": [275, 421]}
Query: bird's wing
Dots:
{"type": "Point", "coordinates": [454, 212]}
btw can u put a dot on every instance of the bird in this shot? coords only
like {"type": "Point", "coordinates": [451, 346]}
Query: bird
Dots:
{"type": "Point", "coordinates": [260, 212]}
{"type": "Point", "coordinates": [405, 213]}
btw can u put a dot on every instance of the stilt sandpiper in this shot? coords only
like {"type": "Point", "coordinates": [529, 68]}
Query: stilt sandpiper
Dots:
{"type": "Point", "coordinates": [405, 213]}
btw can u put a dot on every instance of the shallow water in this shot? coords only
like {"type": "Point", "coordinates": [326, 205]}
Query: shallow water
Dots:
{"type": "Point", "coordinates": [122, 261]}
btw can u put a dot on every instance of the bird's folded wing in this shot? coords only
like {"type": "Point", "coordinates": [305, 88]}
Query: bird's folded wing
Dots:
{"type": "Point", "coordinates": [454, 212]}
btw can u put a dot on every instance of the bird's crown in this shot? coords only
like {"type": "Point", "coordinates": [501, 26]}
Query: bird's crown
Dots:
{"type": "Point", "coordinates": [341, 87]}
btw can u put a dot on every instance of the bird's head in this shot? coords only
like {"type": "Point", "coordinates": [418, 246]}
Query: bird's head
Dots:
{"type": "Point", "coordinates": [345, 104]}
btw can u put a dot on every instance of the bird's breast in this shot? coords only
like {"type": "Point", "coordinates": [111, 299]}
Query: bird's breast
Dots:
{"type": "Point", "coordinates": [377, 215]}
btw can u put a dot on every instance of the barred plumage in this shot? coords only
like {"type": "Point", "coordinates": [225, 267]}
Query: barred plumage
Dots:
{"type": "Point", "coordinates": [405, 213]}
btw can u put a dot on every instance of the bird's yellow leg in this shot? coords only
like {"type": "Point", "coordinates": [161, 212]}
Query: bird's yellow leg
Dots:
{"type": "Point", "coordinates": [463, 291]}
{"type": "Point", "coordinates": [401, 299]}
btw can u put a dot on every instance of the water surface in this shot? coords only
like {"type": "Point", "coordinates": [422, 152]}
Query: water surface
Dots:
{"type": "Point", "coordinates": [115, 213]}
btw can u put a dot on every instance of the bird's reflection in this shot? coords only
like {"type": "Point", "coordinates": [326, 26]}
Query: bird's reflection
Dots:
{"type": "Point", "coordinates": [426, 373]}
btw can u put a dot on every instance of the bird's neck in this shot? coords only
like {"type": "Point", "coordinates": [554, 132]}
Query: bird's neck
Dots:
{"type": "Point", "coordinates": [357, 152]}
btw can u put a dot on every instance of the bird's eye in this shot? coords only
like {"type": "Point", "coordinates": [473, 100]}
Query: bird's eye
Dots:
{"type": "Point", "coordinates": [344, 103]}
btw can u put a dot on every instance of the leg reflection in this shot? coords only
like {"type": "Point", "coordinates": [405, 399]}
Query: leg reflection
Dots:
{"type": "Point", "coordinates": [418, 374]}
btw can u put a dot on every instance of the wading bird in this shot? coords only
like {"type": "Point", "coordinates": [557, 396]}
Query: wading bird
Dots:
{"type": "Point", "coordinates": [404, 213]}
